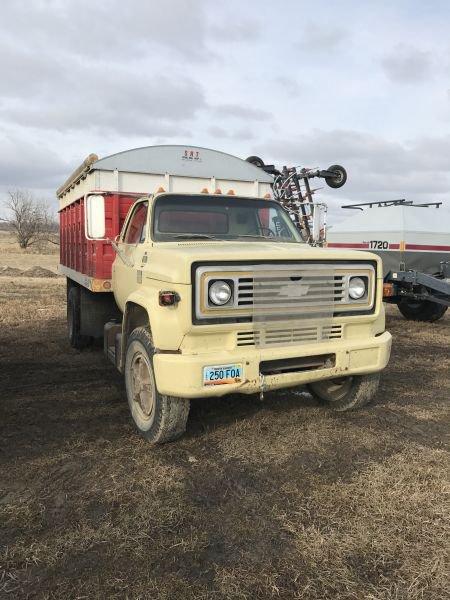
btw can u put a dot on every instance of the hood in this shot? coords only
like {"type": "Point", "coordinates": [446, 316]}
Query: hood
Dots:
{"type": "Point", "coordinates": [171, 261]}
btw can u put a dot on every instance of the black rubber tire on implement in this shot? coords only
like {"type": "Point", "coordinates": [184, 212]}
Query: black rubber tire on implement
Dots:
{"type": "Point", "coordinates": [255, 160]}
{"type": "Point", "coordinates": [423, 310]}
{"type": "Point", "coordinates": [346, 393]}
{"type": "Point", "coordinates": [339, 179]}
{"type": "Point", "coordinates": [76, 340]}
{"type": "Point", "coordinates": [159, 418]}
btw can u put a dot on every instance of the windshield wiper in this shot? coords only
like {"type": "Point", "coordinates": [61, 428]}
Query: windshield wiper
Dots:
{"type": "Point", "coordinates": [193, 236]}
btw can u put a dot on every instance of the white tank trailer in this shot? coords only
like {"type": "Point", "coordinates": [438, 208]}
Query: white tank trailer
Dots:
{"type": "Point", "coordinates": [413, 241]}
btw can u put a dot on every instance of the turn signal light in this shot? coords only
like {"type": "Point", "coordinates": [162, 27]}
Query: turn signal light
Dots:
{"type": "Point", "coordinates": [168, 298]}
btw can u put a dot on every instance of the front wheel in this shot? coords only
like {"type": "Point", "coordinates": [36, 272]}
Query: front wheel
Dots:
{"type": "Point", "coordinates": [422, 310]}
{"type": "Point", "coordinates": [158, 418]}
{"type": "Point", "coordinates": [346, 393]}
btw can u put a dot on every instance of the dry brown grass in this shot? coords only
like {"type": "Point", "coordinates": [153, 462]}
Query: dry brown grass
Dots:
{"type": "Point", "coordinates": [45, 255]}
{"type": "Point", "coordinates": [280, 499]}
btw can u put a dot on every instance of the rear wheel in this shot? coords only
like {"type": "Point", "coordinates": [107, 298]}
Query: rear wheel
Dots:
{"type": "Point", "coordinates": [76, 340]}
{"type": "Point", "coordinates": [159, 418]}
{"type": "Point", "coordinates": [346, 393]}
{"type": "Point", "coordinates": [422, 310]}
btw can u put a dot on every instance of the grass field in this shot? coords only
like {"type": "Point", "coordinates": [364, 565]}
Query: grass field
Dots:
{"type": "Point", "coordinates": [273, 499]}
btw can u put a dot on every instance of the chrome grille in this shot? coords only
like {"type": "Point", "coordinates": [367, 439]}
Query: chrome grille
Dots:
{"type": "Point", "coordinates": [296, 289]}
{"type": "Point", "coordinates": [279, 292]}
{"type": "Point", "coordinates": [286, 336]}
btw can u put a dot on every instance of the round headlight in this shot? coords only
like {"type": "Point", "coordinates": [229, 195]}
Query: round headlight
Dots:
{"type": "Point", "coordinates": [356, 288]}
{"type": "Point", "coordinates": [219, 293]}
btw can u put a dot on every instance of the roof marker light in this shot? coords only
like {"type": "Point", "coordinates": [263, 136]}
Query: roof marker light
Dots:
{"type": "Point", "coordinates": [218, 191]}
{"type": "Point", "coordinates": [204, 191]}
{"type": "Point", "coordinates": [160, 190]}
{"type": "Point", "coordinates": [267, 196]}
{"type": "Point", "coordinates": [230, 192]}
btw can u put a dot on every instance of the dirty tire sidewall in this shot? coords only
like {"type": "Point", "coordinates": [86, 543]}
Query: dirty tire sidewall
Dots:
{"type": "Point", "coordinates": [169, 415]}
{"type": "Point", "coordinates": [359, 393]}
{"type": "Point", "coordinates": [76, 340]}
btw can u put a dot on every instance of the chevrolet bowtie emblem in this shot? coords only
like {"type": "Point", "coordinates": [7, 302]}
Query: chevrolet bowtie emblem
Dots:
{"type": "Point", "coordinates": [296, 290]}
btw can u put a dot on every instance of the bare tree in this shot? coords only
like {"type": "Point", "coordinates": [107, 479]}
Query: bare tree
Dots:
{"type": "Point", "coordinates": [29, 219]}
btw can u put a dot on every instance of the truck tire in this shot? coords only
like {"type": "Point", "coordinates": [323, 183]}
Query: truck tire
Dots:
{"type": "Point", "coordinates": [422, 310]}
{"type": "Point", "coordinates": [159, 418]}
{"type": "Point", "coordinates": [76, 340]}
{"type": "Point", "coordinates": [346, 393]}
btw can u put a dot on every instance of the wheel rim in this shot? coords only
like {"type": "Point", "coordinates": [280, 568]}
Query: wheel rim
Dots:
{"type": "Point", "coordinates": [334, 390]}
{"type": "Point", "coordinates": [338, 177]}
{"type": "Point", "coordinates": [142, 392]}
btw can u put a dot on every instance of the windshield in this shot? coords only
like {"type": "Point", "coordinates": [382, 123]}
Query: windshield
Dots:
{"type": "Point", "coordinates": [221, 218]}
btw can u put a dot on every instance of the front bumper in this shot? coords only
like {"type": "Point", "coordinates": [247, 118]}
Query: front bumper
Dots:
{"type": "Point", "coordinates": [181, 374]}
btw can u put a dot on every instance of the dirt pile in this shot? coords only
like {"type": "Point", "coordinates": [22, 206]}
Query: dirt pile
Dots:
{"type": "Point", "coordinates": [39, 272]}
{"type": "Point", "coordinates": [35, 271]}
{"type": "Point", "coordinates": [10, 271]}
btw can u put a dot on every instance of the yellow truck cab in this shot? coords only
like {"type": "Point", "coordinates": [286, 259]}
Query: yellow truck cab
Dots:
{"type": "Point", "coordinates": [213, 291]}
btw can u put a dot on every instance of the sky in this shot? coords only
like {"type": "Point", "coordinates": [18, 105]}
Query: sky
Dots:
{"type": "Point", "coordinates": [362, 84]}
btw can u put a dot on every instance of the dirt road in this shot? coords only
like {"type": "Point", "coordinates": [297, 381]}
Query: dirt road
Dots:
{"type": "Point", "coordinates": [280, 499]}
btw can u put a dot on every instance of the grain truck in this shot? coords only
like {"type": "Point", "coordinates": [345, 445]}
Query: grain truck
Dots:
{"type": "Point", "coordinates": [200, 285]}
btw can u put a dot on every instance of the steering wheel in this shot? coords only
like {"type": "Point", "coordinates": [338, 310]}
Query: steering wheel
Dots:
{"type": "Point", "coordinates": [269, 231]}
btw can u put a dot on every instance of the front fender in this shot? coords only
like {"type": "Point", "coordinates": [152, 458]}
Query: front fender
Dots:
{"type": "Point", "coordinates": [168, 324]}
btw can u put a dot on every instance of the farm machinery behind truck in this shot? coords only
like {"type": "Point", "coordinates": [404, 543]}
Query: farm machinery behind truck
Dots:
{"type": "Point", "coordinates": [291, 187]}
{"type": "Point", "coordinates": [413, 239]}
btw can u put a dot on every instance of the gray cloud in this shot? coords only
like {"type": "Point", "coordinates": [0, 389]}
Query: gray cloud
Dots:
{"type": "Point", "coordinates": [110, 28]}
{"type": "Point", "coordinates": [77, 75]}
{"type": "Point", "coordinates": [244, 30]}
{"type": "Point", "coordinates": [238, 111]}
{"type": "Point", "coordinates": [406, 64]}
{"type": "Point", "coordinates": [289, 84]}
{"type": "Point", "coordinates": [125, 102]}
{"type": "Point", "coordinates": [222, 133]}
{"type": "Point", "coordinates": [27, 164]}
{"type": "Point", "coordinates": [99, 79]}
{"type": "Point", "coordinates": [317, 38]}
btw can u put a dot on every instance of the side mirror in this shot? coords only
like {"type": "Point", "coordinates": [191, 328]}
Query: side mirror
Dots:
{"type": "Point", "coordinates": [319, 224]}
{"type": "Point", "coordinates": [95, 216]}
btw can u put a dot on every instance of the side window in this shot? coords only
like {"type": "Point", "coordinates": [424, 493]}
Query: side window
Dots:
{"type": "Point", "coordinates": [135, 231]}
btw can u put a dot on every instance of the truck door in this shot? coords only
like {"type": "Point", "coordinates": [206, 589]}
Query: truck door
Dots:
{"type": "Point", "coordinates": [127, 267]}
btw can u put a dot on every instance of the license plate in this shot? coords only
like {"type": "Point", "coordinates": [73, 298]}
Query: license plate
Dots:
{"type": "Point", "coordinates": [221, 374]}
